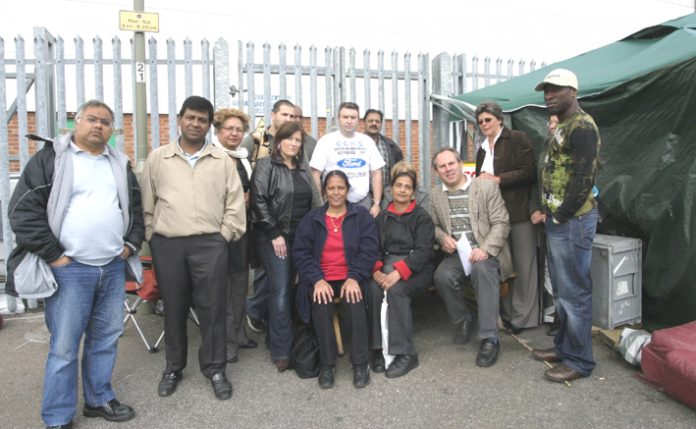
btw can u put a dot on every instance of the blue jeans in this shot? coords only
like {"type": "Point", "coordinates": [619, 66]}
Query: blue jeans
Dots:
{"type": "Point", "coordinates": [89, 301]}
{"type": "Point", "coordinates": [257, 304]}
{"type": "Point", "coordinates": [570, 258]}
{"type": "Point", "coordinates": [281, 275]}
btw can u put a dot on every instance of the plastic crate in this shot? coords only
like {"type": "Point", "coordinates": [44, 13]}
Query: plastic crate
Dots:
{"type": "Point", "coordinates": [616, 281]}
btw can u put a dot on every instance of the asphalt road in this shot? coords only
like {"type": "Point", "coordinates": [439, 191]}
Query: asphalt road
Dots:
{"type": "Point", "coordinates": [446, 391]}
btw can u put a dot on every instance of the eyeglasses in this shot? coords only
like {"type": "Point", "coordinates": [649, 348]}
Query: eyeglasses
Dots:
{"type": "Point", "coordinates": [104, 122]}
{"type": "Point", "coordinates": [485, 120]}
{"type": "Point", "coordinates": [232, 129]}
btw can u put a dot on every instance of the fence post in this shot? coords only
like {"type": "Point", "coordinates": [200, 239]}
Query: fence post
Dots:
{"type": "Point", "coordinates": [155, 138]}
{"type": "Point", "coordinates": [205, 68]}
{"type": "Point", "coordinates": [221, 73]}
{"type": "Point", "coordinates": [283, 71]}
{"type": "Point", "coordinates": [267, 84]}
{"type": "Point", "coordinates": [98, 69]}
{"type": "Point", "coordinates": [171, 88]}
{"type": "Point", "coordinates": [7, 236]}
{"type": "Point", "coordinates": [45, 92]}
{"type": "Point", "coordinates": [314, 94]}
{"type": "Point", "coordinates": [61, 104]}
{"type": "Point", "coordinates": [251, 94]}
{"type": "Point", "coordinates": [118, 95]}
{"type": "Point", "coordinates": [442, 85]}
{"type": "Point", "coordinates": [424, 104]}
{"type": "Point", "coordinates": [395, 93]}
{"type": "Point", "coordinates": [22, 89]}
{"type": "Point", "coordinates": [367, 79]}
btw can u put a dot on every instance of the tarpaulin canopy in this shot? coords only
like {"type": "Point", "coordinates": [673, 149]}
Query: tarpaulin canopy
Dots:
{"type": "Point", "coordinates": [641, 91]}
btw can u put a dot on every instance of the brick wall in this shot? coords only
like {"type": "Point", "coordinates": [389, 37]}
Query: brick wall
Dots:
{"type": "Point", "coordinates": [164, 135]}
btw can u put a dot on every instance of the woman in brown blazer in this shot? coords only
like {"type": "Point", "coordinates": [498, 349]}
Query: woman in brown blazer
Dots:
{"type": "Point", "coordinates": [506, 157]}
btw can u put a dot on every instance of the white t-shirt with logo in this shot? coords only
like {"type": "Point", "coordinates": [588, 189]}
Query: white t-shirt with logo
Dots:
{"type": "Point", "coordinates": [356, 156]}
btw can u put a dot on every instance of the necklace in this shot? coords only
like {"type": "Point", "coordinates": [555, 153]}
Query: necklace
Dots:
{"type": "Point", "coordinates": [340, 221]}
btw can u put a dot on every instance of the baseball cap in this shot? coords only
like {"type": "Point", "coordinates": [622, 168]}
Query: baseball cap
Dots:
{"type": "Point", "coordinates": [559, 77]}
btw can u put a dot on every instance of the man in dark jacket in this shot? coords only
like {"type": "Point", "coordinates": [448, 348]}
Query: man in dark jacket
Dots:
{"type": "Point", "coordinates": [77, 206]}
{"type": "Point", "coordinates": [388, 148]}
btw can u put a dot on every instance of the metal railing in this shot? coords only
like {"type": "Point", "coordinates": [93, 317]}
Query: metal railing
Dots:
{"type": "Point", "coordinates": [48, 86]}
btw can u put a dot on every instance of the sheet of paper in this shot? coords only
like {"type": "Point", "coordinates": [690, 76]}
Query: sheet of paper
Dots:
{"type": "Point", "coordinates": [464, 250]}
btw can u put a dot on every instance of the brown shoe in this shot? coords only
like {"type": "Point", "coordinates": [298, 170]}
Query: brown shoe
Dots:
{"type": "Point", "coordinates": [548, 355]}
{"type": "Point", "coordinates": [561, 373]}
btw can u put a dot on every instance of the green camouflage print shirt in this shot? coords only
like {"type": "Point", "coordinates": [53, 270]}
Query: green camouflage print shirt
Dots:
{"type": "Point", "coordinates": [569, 168]}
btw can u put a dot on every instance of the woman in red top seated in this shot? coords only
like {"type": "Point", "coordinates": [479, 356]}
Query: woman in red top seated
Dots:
{"type": "Point", "coordinates": [334, 250]}
{"type": "Point", "coordinates": [405, 269]}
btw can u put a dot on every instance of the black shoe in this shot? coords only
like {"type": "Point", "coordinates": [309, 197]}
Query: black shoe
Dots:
{"type": "Point", "coordinates": [251, 344]}
{"type": "Point", "coordinates": [553, 329]}
{"type": "Point", "coordinates": [462, 334]}
{"type": "Point", "coordinates": [221, 386]}
{"type": "Point", "coordinates": [256, 325]}
{"type": "Point", "coordinates": [377, 365]}
{"type": "Point", "coordinates": [326, 377]}
{"type": "Point", "coordinates": [402, 365]}
{"type": "Point", "coordinates": [488, 352]}
{"type": "Point", "coordinates": [167, 384]}
{"type": "Point", "coordinates": [361, 376]}
{"type": "Point", "coordinates": [512, 329]}
{"type": "Point", "coordinates": [65, 426]}
{"type": "Point", "coordinates": [112, 411]}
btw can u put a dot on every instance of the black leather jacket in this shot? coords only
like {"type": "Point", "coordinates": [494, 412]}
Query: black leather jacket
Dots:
{"type": "Point", "coordinates": [272, 192]}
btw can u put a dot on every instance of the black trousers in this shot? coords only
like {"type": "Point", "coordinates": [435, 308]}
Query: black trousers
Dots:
{"type": "Point", "coordinates": [398, 311]}
{"type": "Point", "coordinates": [355, 314]}
{"type": "Point", "coordinates": [192, 272]}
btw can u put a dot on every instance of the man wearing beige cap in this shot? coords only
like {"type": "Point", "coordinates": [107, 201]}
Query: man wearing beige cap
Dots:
{"type": "Point", "coordinates": [568, 171]}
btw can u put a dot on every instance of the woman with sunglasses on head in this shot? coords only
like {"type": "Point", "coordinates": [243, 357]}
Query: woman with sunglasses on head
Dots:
{"type": "Point", "coordinates": [506, 157]}
{"type": "Point", "coordinates": [281, 194]}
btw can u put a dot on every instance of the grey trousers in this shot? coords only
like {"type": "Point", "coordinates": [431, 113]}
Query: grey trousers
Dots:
{"type": "Point", "coordinates": [521, 305]}
{"type": "Point", "coordinates": [398, 311]}
{"type": "Point", "coordinates": [450, 282]}
{"type": "Point", "coordinates": [237, 285]}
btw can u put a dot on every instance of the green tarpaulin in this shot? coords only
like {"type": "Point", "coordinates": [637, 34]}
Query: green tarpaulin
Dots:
{"type": "Point", "coordinates": [641, 91]}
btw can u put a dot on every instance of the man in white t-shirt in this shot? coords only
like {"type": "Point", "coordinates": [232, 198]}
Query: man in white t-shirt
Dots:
{"type": "Point", "coordinates": [353, 153]}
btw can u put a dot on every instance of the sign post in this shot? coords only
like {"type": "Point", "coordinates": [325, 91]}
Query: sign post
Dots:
{"type": "Point", "coordinates": [139, 22]}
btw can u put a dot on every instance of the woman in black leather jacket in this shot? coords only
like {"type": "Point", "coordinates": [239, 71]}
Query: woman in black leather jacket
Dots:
{"type": "Point", "coordinates": [281, 193]}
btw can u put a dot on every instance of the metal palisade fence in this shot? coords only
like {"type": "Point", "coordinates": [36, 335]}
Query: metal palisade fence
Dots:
{"type": "Point", "coordinates": [40, 91]}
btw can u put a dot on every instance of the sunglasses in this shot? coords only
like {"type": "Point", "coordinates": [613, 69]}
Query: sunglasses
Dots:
{"type": "Point", "coordinates": [485, 120]}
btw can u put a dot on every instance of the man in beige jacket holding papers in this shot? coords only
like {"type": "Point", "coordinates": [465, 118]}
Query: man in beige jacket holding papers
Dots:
{"type": "Point", "coordinates": [472, 210]}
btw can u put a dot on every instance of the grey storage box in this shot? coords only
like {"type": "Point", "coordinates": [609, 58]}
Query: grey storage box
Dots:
{"type": "Point", "coordinates": [616, 281]}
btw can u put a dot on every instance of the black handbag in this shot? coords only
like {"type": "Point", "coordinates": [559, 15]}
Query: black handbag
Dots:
{"type": "Point", "coordinates": [304, 356]}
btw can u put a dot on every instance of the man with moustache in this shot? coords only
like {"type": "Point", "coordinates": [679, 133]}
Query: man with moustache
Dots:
{"type": "Point", "coordinates": [193, 205]}
{"type": "Point", "coordinates": [77, 207]}
{"type": "Point", "coordinates": [388, 148]}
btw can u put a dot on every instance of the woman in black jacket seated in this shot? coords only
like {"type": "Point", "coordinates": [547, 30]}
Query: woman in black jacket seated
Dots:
{"type": "Point", "coordinates": [334, 250]}
{"type": "Point", "coordinates": [405, 269]}
{"type": "Point", "coordinates": [281, 194]}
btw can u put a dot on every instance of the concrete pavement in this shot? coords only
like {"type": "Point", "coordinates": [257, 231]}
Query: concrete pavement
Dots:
{"type": "Point", "coordinates": [446, 391]}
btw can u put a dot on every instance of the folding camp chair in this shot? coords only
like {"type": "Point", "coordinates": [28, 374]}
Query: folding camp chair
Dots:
{"type": "Point", "coordinates": [148, 291]}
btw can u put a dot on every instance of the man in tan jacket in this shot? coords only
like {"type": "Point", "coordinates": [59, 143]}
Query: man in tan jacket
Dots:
{"type": "Point", "coordinates": [471, 210]}
{"type": "Point", "coordinates": [193, 205]}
